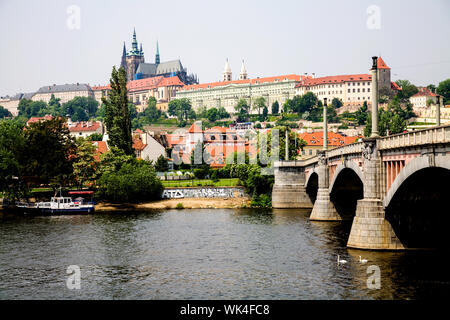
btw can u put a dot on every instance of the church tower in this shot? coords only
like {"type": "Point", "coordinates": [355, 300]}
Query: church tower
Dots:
{"type": "Point", "coordinates": [157, 61]}
{"type": "Point", "coordinates": [243, 74]}
{"type": "Point", "coordinates": [123, 63]}
{"type": "Point", "coordinates": [227, 72]}
{"type": "Point", "coordinates": [134, 57]}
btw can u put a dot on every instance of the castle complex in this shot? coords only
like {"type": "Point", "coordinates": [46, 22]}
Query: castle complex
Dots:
{"type": "Point", "coordinates": [136, 68]}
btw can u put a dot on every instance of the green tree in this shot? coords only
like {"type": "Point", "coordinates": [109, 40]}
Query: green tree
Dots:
{"type": "Point", "coordinates": [336, 103]}
{"type": "Point", "coordinates": [95, 137]}
{"type": "Point", "coordinates": [222, 113]}
{"type": "Point", "coordinates": [361, 114]}
{"type": "Point", "coordinates": [259, 104]}
{"type": "Point", "coordinates": [117, 113]}
{"type": "Point", "coordinates": [242, 109]}
{"type": "Point", "coordinates": [181, 108]}
{"type": "Point", "coordinates": [4, 113]}
{"type": "Point", "coordinates": [84, 165]}
{"type": "Point", "coordinates": [408, 89]}
{"type": "Point", "coordinates": [275, 107]}
{"type": "Point", "coordinates": [162, 164]}
{"type": "Point", "coordinates": [50, 152]}
{"type": "Point", "coordinates": [80, 108]}
{"type": "Point", "coordinates": [444, 90]}
{"type": "Point", "coordinates": [54, 107]}
{"type": "Point", "coordinates": [131, 183]}
{"type": "Point", "coordinates": [265, 113]}
{"type": "Point", "coordinates": [12, 145]}
{"type": "Point", "coordinates": [212, 114]}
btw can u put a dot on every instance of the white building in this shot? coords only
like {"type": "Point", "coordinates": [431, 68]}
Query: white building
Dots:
{"type": "Point", "coordinates": [65, 92]}
{"type": "Point", "coordinates": [228, 92]}
{"type": "Point", "coordinates": [420, 99]}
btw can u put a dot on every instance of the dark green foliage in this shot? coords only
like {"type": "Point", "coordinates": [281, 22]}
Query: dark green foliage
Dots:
{"type": "Point", "coordinates": [80, 108]}
{"type": "Point", "coordinates": [444, 90]}
{"type": "Point", "coordinates": [336, 103]}
{"type": "Point", "coordinates": [242, 109]}
{"type": "Point", "coordinates": [49, 152]}
{"type": "Point", "coordinates": [182, 109]}
{"type": "Point", "coordinates": [275, 107]}
{"type": "Point", "coordinates": [12, 144]}
{"type": "Point", "coordinates": [95, 137]}
{"type": "Point", "coordinates": [117, 113]}
{"type": "Point", "coordinates": [4, 113]}
{"type": "Point", "coordinates": [361, 114]}
{"type": "Point", "coordinates": [261, 201]}
{"type": "Point", "coordinates": [131, 183]}
{"type": "Point", "coordinates": [162, 164]}
{"type": "Point", "coordinates": [408, 89]}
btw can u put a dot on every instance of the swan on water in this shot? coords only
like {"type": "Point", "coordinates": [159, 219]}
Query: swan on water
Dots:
{"type": "Point", "coordinates": [362, 260]}
{"type": "Point", "coordinates": [341, 261]}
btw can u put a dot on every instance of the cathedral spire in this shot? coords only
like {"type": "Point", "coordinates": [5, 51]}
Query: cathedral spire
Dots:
{"type": "Point", "coordinates": [134, 44]}
{"type": "Point", "coordinates": [243, 74]}
{"type": "Point", "coordinates": [157, 53]}
{"type": "Point", "coordinates": [123, 63]}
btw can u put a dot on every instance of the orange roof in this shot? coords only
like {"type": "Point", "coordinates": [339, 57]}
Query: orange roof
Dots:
{"type": "Point", "coordinates": [395, 86]}
{"type": "Point", "coordinates": [108, 87]}
{"type": "Point", "coordinates": [138, 144]}
{"type": "Point", "coordinates": [381, 64]}
{"type": "Point", "coordinates": [175, 139]}
{"type": "Point", "coordinates": [334, 139]}
{"type": "Point", "coordinates": [102, 147]}
{"type": "Point", "coordinates": [425, 92]}
{"type": "Point", "coordinates": [144, 84]}
{"type": "Point", "coordinates": [334, 79]}
{"type": "Point", "coordinates": [37, 119]}
{"type": "Point", "coordinates": [172, 81]}
{"type": "Point", "coordinates": [194, 128]}
{"type": "Point", "coordinates": [85, 126]}
{"type": "Point", "coordinates": [252, 81]}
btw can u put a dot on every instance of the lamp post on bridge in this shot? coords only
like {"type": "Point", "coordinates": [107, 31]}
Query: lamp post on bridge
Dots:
{"type": "Point", "coordinates": [325, 125]}
{"type": "Point", "coordinates": [374, 97]}
{"type": "Point", "coordinates": [438, 110]}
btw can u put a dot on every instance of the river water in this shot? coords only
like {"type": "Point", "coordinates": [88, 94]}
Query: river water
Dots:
{"type": "Point", "coordinates": [204, 254]}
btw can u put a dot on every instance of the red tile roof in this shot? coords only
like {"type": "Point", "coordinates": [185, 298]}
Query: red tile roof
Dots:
{"type": "Point", "coordinates": [102, 147]}
{"type": "Point", "coordinates": [96, 88]}
{"type": "Point", "coordinates": [37, 119]}
{"type": "Point", "coordinates": [175, 139]}
{"type": "Point", "coordinates": [138, 144]}
{"type": "Point", "coordinates": [172, 81]}
{"type": "Point", "coordinates": [395, 86]}
{"type": "Point", "coordinates": [334, 79]}
{"type": "Point", "coordinates": [381, 64]}
{"type": "Point", "coordinates": [425, 92]}
{"type": "Point", "coordinates": [252, 81]}
{"type": "Point", "coordinates": [194, 128]}
{"type": "Point", "coordinates": [334, 139]}
{"type": "Point", "coordinates": [85, 126]}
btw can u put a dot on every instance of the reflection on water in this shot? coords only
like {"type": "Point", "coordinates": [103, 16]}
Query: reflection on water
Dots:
{"type": "Point", "coordinates": [203, 254]}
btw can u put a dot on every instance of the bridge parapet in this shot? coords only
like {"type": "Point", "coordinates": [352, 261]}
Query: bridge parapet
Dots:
{"type": "Point", "coordinates": [353, 148]}
{"type": "Point", "coordinates": [433, 135]}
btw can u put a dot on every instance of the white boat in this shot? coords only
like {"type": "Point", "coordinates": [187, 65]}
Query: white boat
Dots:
{"type": "Point", "coordinates": [59, 205]}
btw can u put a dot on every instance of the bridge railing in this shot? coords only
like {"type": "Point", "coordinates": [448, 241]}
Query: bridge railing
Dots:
{"type": "Point", "coordinates": [415, 138]}
{"type": "Point", "coordinates": [344, 150]}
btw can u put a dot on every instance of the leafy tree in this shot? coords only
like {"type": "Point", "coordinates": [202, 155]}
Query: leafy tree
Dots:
{"type": "Point", "coordinates": [112, 161]}
{"type": "Point", "coordinates": [181, 109]}
{"type": "Point", "coordinates": [444, 90]}
{"type": "Point", "coordinates": [431, 87]}
{"type": "Point", "coordinates": [84, 165]}
{"type": "Point", "coordinates": [275, 107]}
{"type": "Point", "coordinates": [80, 108]}
{"type": "Point", "coordinates": [265, 113]}
{"type": "Point", "coordinates": [54, 107]}
{"type": "Point", "coordinates": [95, 137]}
{"type": "Point", "coordinates": [223, 114]}
{"type": "Point", "coordinates": [4, 113]}
{"type": "Point", "coordinates": [12, 144]}
{"type": "Point", "coordinates": [212, 114]}
{"type": "Point", "coordinates": [361, 114]}
{"type": "Point", "coordinates": [50, 152]}
{"type": "Point", "coordinates": [29, 108]}
{"type": "Point", "coordinates": [408, 89]}
{"type": "Point", "coordinates": [242, 109]}
{"type": "Point", "coordinates": [117, 113]}
{"type": "Point", "coordinates": [336, 103]}
{"type": "Point", "coordinates": [131, 183]}
{"type": "Point", "coordinates": [259, 104]}
{"type": "Point", "coordinates": [162, 164]}
{"type": "Point", "coordinates": [295, 143]}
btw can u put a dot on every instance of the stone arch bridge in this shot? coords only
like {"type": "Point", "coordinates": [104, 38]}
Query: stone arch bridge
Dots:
{"type": "Point", "coordinates": [395, 188]}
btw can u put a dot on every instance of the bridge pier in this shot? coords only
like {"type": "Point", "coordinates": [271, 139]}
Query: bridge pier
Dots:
{"type": "Point", "coordinates": [370, 229]}
{"type": "Point", "coordinates": [289, 189]}
{"type": "Point", "coordinates": [323, 209]}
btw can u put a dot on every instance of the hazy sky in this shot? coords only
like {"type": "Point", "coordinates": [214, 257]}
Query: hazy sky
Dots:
{"type": "Point", "coordinates": [273, 37]}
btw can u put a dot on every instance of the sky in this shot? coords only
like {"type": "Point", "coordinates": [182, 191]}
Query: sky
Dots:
{"type": "Point", "coordinates": [45, 42]}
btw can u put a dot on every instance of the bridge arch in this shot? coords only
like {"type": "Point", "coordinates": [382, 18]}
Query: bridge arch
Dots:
{"type": "Point", "coordinates": [310, 173]}
{"type": "Point", "coordinates": [346, 165]}
{"type": "Point", "coordinates": [412, 167]}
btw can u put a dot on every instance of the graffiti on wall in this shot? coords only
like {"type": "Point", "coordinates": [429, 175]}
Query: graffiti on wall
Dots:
{"type": "Point", "coordinates": [203, 193]}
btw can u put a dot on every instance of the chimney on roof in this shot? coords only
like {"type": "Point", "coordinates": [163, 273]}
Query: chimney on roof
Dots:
{"type": "Point", "coordinates": [313, 75]}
